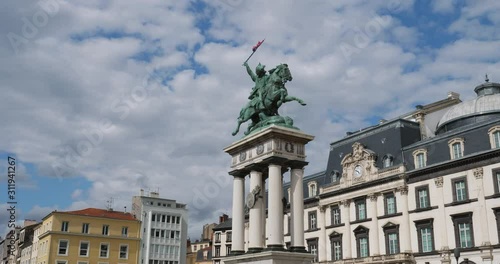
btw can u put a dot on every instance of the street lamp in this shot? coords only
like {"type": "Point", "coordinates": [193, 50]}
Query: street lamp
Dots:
{"type": "Point", "coordinates": [456, 252]}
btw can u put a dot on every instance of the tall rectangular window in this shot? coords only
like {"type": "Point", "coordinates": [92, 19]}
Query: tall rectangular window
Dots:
{"type": "Point", "coordinates": [228, 250]}
{"type": "Point", "coordinates": [496, 139]}
{"type": "Point", "coordinates": [360, 209]}
{"type": "Point", "coordinates": [393, 244]}
{"type": "Point", "coordinates": [457, 150]}
{"type": "Point", "coordinates": [312, 220]}
{"type": "Point", "coordinates": [105, 230]}
{"type": "Point", "coordinates": [335, 215]}
{"type": "Point", "coordinates": [464, 235]}
{"type": "Point", "coordinates": [312, 244]}
{"type": "Point", "coordinates": [104, 250]}
{"type": "Point", "coordinates": [85, 228]}
{"type": "Point", "coordinates": [336, 242]}
{"type": "Point", "coordinates": [420, 160]}
{"type": "Point", "coordinates": [363, 247]}
{"type": "Point", "coordinates": [123, 251]}
{"type": "Point", "coordinates": [496, 180]}
{"type": "Point", "coordinates": [84, 248]}
{"type": "Point", "coordinates": [459, 189]}
{"type": "Point", "coordinates": [390, 204]}
{"type": "Point", "coordinates": [63, 247]}
{"type": "Point", "coordinates": [124, 231]}
{"type": "Point", "coordinates": [64, 226]}
{"type": "Point", "coordinates": [426, 236]}
{"type": "Point", "coordinates": [422, 195]}
{"type": "Point", "coordinates": [391, 232]}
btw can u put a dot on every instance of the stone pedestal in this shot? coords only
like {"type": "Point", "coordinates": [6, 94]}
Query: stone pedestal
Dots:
{"type": "Point", "coordinates": [263, 155]}
{"type": "Point", "coordinates": [271, 257]}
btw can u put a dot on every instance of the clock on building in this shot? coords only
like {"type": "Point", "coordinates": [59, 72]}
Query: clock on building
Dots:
{"type": "Point", "coordinates": [358, 171]}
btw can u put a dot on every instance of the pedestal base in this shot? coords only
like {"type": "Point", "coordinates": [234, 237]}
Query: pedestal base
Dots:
{"type": "Point", "coordinates": [271, 257]}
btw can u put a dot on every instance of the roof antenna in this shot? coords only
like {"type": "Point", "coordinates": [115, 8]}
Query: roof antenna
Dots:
{"type": "Point", "coordinates": [486, 78]}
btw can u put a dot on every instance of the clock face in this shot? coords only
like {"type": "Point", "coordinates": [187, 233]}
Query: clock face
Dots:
{"type": "Point", "coordinates": [358, 171]}
{"type": "Point", "coordinates": [250, 200]}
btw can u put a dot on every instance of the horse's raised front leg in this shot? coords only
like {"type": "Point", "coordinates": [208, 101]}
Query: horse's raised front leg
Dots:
{"type": "Point", "coordinates": [292, 98]}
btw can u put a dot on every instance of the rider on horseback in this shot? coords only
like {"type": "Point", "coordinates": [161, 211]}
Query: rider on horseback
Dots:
{"type": "Point", "coordinates": [258, 91]}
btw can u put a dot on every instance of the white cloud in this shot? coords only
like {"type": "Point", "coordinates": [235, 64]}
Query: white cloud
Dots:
{"type": "Point", "coordinates": [169, 134]}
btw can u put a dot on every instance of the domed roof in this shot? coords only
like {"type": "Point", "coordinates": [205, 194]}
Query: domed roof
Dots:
{"type": "Point", "coordinates": [486, 102]}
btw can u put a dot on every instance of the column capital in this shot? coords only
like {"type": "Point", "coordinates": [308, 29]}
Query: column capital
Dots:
{"type": "Point", "coordinates": [239, 173]}
{"type": "Point", "coordinates": [478, 173]}
{"type": "Point", "coordinates": [346, 203]}
{"type": "Point", "coordinates": [296, 164]}
{"type": "Point", "coordinates": [256, 167]}
{"type": "Point", "coordinates": [439, 182]}
{"type": "Point", "coordinates": [322, 208]}
{"type": "Point", "coordinates": [275, 160]}
{"type": "Point", "coordinates": [373, 196]}
{"type": "Point", "coordinates": [403, 190]}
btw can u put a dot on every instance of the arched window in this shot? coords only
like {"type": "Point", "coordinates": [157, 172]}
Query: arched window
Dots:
{"type": "Point", "coordinates": [494, 134]}
{"type": "Point", "coordinates": [334, 176]}
{"type": "Point", "coordinates": [313, 188]}
{"type": "Point", "coordinates": [388, 160]}
{"type": "Point", "coordinates": [420, 158]}
{"type": "Point", "coordinates": [456, 148]}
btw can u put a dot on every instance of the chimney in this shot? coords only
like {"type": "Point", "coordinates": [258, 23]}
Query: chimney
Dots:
{"type": "Point", "coordinates": [453, 95]}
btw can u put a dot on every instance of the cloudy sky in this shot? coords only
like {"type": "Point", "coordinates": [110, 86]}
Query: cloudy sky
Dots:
{"type": "Point", "coordinates": [102, 98]}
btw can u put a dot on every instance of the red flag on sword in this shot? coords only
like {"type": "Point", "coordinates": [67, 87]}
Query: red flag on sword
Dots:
{"type": "Point", "coordinates": [257, 45]}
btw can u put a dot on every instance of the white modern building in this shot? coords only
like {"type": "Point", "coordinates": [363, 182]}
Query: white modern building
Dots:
{"type": "Point", "coordinates": [413, 189]}
{"type": "Point", "coordinates": [163, 229]}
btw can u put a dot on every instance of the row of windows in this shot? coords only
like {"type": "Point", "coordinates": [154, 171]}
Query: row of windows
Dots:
{"type": "Point", "coordinates": [217, 236]}
{"type": "Point", "coordinates": [162, 262]}
{"type": "Point", "coordinates": [457, 147]}
{"type": "Point", "coordinates": [86, 227]}
{"type": "Point", "coordinates": [422, 199]}
{"type": "Point", "coordinates": [217, 251]}
{"type": "Point", "coordinates": [163, 218]}
{"type": "Point", "coordinates": [84, 249]}
{"type": "Point", "coordinates": [164, 251]}
{"type": "Point", "coordinates": [463, 229]}
{"type": "Point", "coordinates": [162, 233]}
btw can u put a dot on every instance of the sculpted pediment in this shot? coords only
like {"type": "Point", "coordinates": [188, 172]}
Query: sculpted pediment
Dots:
{"type": "Point", "coordinates": [359, 166]}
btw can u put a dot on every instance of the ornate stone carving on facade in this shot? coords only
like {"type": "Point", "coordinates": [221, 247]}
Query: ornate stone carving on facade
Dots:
{"type": "Point", "coordinates": [403, 190]}
{"type": "Point", "coordinates": [439, 182]}
{"type": "Point", "coordinates": [359, 153]}
{"type": "Point", "coordinates": [373, 197]}
{"type": "Point", "coordinates": [346, 203]}
{"type": "Point", "coordinates": [478, 173]}
{"type": "Point", "coordinates": [322, 208]}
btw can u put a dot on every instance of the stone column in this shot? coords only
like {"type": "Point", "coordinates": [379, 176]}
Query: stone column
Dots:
{"type": "Point", "coordinates": [485, 231]}
{"type": "Point", "coordinates": [256, 243]}
{"type": "Point", "coordinates": [263, 209]}
{"type": "Point", "coordinates": [346, 215]}
{"type": "Point", "coordinates": [238, 216]}
{"type": "Point", "coordinates": [297, 208]}
{"type": "Point", "coordinates": [374, 240]}
{"type": "Point", "coordinates": [275, 210]}
{"type": "Point", "coordinates": [442, 219]}
{"type": "Point", "coordinates": [405, 225]}
{"type": "Point", "coordinates": [322, 234]}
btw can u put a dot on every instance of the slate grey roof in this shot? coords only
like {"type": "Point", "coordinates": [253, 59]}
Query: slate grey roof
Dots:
{"type": "Point", "coordinates": [224, 225]}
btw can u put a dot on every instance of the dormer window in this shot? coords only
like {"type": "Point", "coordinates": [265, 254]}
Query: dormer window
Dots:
{"type": "Point", "coordinates": [387, 161]}
{"type": "Point", "coordinates": [456, 148]}
{"type": "Point", "coordinates": [494, 134]}
{"type": "Point", "coordinates": [313, 189]}
{"type": "Point", "coordinates": [335, 176]}
{"type": "Point", "coordinates": [420, 158]}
